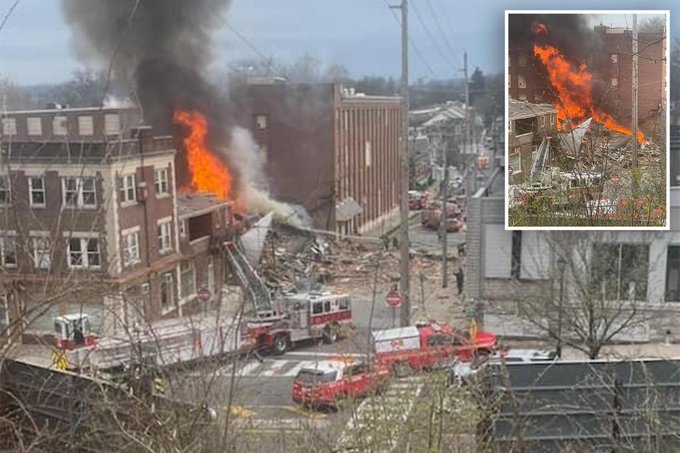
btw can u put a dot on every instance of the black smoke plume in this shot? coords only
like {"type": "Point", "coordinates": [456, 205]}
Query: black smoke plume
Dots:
{"type": "Point", "coordinates": [157, 50]}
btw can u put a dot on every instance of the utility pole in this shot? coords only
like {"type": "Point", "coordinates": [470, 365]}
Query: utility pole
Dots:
{"type": "Point", "coordinates": [442, 222]}
{"type": "Point", "coordinates": [404, 268]}
{"type": "Point", "coordinates": [635, 106]}
{"type": "Point", "coordinates": [466, 135]}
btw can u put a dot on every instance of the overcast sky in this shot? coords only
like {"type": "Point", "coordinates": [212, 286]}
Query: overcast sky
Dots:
{"type": "Point", "coordinates": [363, 35]}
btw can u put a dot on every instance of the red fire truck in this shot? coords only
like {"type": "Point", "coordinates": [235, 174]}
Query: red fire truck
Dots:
{"type": "Point", "coordinates": [301, 317]}
{"type": "Point", "coordinates": [331, 381]}
{"type": "Point", "coordinates": [427, 345]}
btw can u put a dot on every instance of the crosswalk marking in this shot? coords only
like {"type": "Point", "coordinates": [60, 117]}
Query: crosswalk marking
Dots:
{"type": "Point", "coordinates": [298, 366]}
{"type": "Point", "coordinates": [274, 367]}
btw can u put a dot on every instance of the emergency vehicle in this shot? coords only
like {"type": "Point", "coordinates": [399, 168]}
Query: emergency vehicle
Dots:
{"type": "Point", "coordinates": [301, 317]}
{"type": "Point", "coordinates": [427, 345]}
{"type": "Point", "coordinates": [331, 381]}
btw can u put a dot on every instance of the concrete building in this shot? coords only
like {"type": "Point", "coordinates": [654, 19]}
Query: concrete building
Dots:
{"type": "Point", "coordinates": [528, 125]}
{"type": "Point", "coordinates": [99, 227]}
{"type": "Point", "coordinates": [503, 267]}
{"type": "Point", "coordinates": [331, 150]}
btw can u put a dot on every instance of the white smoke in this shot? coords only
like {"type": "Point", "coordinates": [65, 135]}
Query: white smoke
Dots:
{"type": "Point", "coordinates": [248, 159]}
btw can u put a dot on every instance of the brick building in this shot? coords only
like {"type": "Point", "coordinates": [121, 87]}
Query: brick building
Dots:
{"type": "Point", "coordinates": [327, 148]}
{"type": "Point", "coordinates": [528, 125]}
{"type": "Point", "coordinates": [98, 226]}
{"type": "Point", "coordinates": [526, 81]}
{"type": "Point", "coordinates": [614, 66]}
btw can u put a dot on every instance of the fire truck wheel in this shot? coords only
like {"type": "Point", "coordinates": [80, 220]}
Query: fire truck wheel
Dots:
{"type": "Point", "coordinates": [330, 334]}
{"type": "Point", "coordinates": [280, 344]}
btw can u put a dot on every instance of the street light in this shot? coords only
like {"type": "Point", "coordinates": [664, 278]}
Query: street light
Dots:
{"type": "Point", "coordinates": [561, 265]}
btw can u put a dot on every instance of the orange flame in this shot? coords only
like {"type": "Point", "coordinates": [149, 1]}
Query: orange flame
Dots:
{"type": "Point", "coordinates": [538, 28]}
{"type": "Point", "coordinates": [208, 173]}
{"type": "Point", "coordinates": [574, 88]}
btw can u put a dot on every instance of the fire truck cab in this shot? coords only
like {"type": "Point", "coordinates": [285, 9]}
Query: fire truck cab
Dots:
{"type": "Point", "coordinates": [305, 316]}
{"type": "Point", "coordinates": [73, 331]}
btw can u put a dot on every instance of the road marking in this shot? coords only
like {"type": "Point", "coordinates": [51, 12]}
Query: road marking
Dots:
{"type": "Point", "coordinates": [273, 368]}
{"type": "Point", "coordinates": [280, 424]}
{"type": "Point", "coordinates": [307, 413]}
{"type": "Point", "coordinates": [248, 368]}
{"type": "Point", "coordinates": [324, 354]}
{"type": "Point", "coordinates": [292, 372]}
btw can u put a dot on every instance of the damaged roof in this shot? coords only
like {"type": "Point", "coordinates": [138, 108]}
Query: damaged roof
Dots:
{"type": "Point", "coordinates": [518, 110]}
{"type": "Point", "coordinates": [195, 204]}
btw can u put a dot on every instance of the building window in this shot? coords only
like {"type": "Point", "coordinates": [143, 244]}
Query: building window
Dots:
{"type": "Point", "coordinates": [83, 253]}
{"type": "Point", "coordinates": [261, 122]}
{"type": "Point", "coordinates": [36, 187]}
{"type": "Point", "coordinates": [59, 125]}
{"type": "Point", "coordinates": [130, 248]}
{"type": "Point", "coordinates": [161, 181]}
{"type": "Point", "coordinates": [167, 291]}
{"type": "Point", "coordinates": [552, 120]}
{"type": "Point", "coordinates": [8, 251]}
{"type": "Point", "coordinates": [188, 279]}
{"type": "Point", "coordinates": [79, 192]}
{"type": "Point", "coordinates": [85, 126]}
{"type": "Point", "coordinates": [9, 126]}
{"type": "Point", "coordinates": [5, 192]}
{"type": "Point", "coordinates": [182, 228]}
{"type": "Point", "coordinates": [368, 153]}
{"type": "Point", "coordinates": [111, 124]}
{"type": "Point", "coordinates": [615, 82]}
{"type": "Point", "coordinates": [515, 163]}
{"type": "Point", "coordinates": [543, 121]}
{"type": "Point", "coordinates": [614, 58]}
{"type": "Point", "coordinates": [620, 271]}
{"type": "Point", "coordinates": [537, 98]}
{"type": "Point", "coordinates": [34, 126]}
{"type": "Point", "coordinates": [144, 289]}
{"type": "Point", "coordinates": [42, 253]}
{"type": "Point", "coordinates": [673, 274]}
{"type": "Point", "coordinates": [164, 241]}
{"type": "Point", "coordinates": [522, 60]}
{"type": "Point", "coordinates": [127, 189]}
{"type": "Point", "coordinates": [521, 82]}
{"type": "Point", "coordinates": [516, 255]}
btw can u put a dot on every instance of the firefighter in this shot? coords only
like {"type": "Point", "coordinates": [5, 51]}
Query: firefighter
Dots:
{"type": "Point", "coordinates": [460, 279]}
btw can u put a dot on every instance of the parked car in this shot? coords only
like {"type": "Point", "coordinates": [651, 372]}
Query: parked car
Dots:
{"type": "Point", "coordinates": [331, 381]}
{"type": "Point", "coordinates": [463, 372]}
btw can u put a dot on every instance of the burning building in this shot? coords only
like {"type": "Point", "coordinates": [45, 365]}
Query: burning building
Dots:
{"type": "Point", "coordinates": [326, 148]}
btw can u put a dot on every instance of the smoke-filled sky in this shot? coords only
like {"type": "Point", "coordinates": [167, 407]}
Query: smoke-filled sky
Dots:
{"type": "Point", "coordinates": [363, 35]}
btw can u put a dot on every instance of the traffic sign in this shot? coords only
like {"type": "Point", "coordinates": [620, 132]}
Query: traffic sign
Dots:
{"type": "Point", "coordinates": [393, 299]}
{"type": "Point", "coordinates": [615, 178]}
{"type": "Point", "coordinates": [204, 294]}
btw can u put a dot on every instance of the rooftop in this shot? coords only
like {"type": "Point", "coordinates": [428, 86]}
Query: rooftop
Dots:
{"type": "Point", "coordinates": [518, 110]}
{"type": "Point", "coordinates": [195, 204]}
{"type": "Point", "coordinates": [77, 153]}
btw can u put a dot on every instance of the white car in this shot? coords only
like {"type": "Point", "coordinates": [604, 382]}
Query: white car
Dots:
{"type": "Point", "coordinates": [463, 372]}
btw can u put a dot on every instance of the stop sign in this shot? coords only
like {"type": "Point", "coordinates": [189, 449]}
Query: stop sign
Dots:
{"type": "Point", "coordinates": [615, 178]}
{"type": "Point", "coordinates": [203, 294]}
{"type": "Point", "coordinates": [393, 299]}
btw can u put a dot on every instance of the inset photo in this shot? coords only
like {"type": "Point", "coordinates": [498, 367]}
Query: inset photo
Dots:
{"type": "Point", "coordinates": [587, 111]}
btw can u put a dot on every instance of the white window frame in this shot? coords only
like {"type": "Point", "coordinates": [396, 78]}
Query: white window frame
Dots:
{"type": "Point", "coordinates": [192, 268]}
{"type": "Point", "coordinates": [521, 81]}
{"type": "Point", "coordinates": [60, 126]}
{"type": "Point", "coordinates": [42, 251]}
{"type": "Point", "coordinates": [211, 274]}
{"type": "Point", "coordinates": [516, 171]}
{"type": "Point", "coordinates": [182, 228]}
{"type": "Point", "coordinates": [161, 182]}
{"type": "Point", "coordinates": [167, 278]}
{"type": "Point", "coordinates": [112, 124]}
{"type": "Point", "coordinates": [614, 58]}
{"type": "Point", "coordinates": [368, 153]}
{"type": "Point", "coordinates": [5, 239]}
{"type": "Point", "coordinates": [32, 189]}
{"type": "Point", "coordinates": [164, 239]}
{"type": "Point", "coordinates": [86, 126]}
{"type": "Point", "coordinates": [130, 247]}
{"type": "Point", "coordinates": [128, 195]}
{"type": "Point", "coordinates": [261, 122]}
{"type": "Point", "coordinates": [615, 82]}
{"type": "Point", "coordinates": [34, 126]}
{"type": "Point", "coordinates": [85, 253]}
{"type": "Point", "coordinates": [80, 192]}
{"type": "Point", "coordinates": [144, 289]}
{"type": "Point", "coordinates": [9, 126]}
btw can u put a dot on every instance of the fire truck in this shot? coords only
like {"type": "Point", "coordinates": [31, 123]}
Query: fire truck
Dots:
{"type": "Point", "coordinates": [330, 381]}
{"type": "Point", "coordinates": [309, 315]}
{"type": "Point", "coordinates": [427, 345]}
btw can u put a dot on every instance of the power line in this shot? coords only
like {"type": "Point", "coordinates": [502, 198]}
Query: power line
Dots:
{"type": "Point", "coordinates": [9, 13]}
{"type": "Point", "coordinates": [247, 42]}
{"type": "Point", "coordinates": [430, 36]}
{"type": "Point", "coordinates": [447, 43]}
{"type": "Point", "coordinates": [412, 44]}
